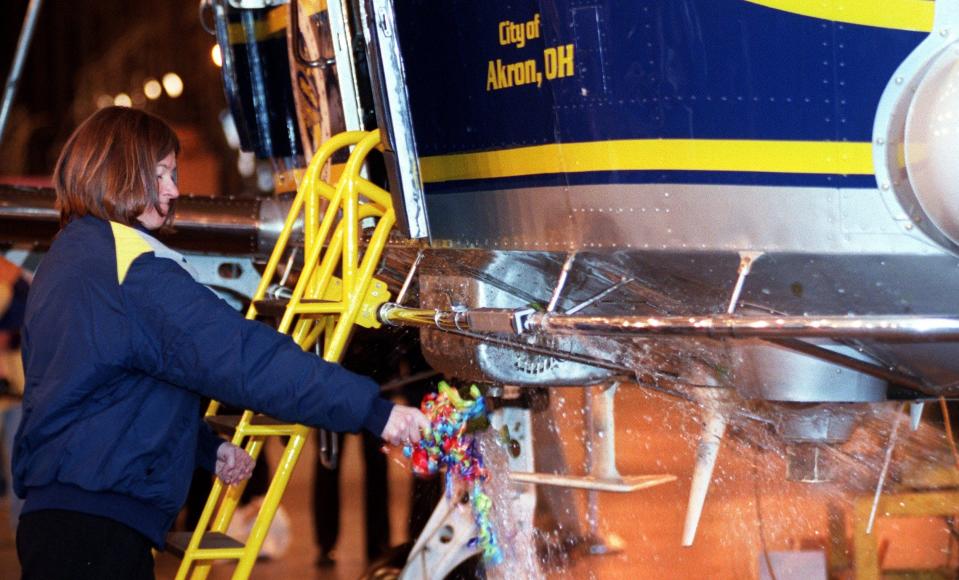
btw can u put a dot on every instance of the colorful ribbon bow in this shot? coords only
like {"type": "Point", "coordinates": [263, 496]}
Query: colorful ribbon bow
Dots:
{"type": "Point", "coordinates": [450, 444]}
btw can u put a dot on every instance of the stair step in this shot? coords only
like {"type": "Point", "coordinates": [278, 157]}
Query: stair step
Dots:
{"type": "Point", "coordinates": [621, 484]}
{"type": "Point", "coordinates": [276, 307]}
{"type": "Point", "coordinates": [177, 542]}
{"type": "Point", "coordinates": [259, 425]}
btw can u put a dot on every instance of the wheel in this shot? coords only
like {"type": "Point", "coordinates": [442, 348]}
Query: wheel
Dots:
{"type": "Point", "coordinates": [389, 566]}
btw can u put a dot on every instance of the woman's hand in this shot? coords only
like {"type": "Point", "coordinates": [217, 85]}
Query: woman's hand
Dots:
{"type": "Point", "coordinates": [405, 425]}
{"type": "Point", "coordinates": [233, 465]}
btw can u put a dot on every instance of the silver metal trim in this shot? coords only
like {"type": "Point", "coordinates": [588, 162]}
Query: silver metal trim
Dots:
{"type": "Point", "coordinates": [746, 260]}
{"type": "Point", "coordinates": [381, 26]}
{"type": "Point", "coordinates": [890, 121]}
{"type": "Point", "coordinates": [561, 283]}
{"type": "Point", "coordinates": [345, 64]}
{"type": "Point", "coordinates": [256, 4]}
{"type": "Point", "coordinates": [599, 296]}
{"type": "Point", "coordinates": [621, 484]}
{"type": "Point", "coordinates": [890, 446]}
{"type": "Point", "coordinates": [401, 296]}
{"type": "Point", "coordinates": [677, 217]}
{"type": "Point", "coordinates": [19, 57]}
{"type": "Point", "coordinates": [707, 451]}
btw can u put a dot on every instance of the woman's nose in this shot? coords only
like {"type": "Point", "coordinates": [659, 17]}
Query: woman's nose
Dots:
{"type": "Point", "coordinates": [170, 188]}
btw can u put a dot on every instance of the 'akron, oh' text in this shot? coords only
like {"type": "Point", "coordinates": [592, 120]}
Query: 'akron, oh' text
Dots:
{"type": "Point", "coordinates": [557, 64]}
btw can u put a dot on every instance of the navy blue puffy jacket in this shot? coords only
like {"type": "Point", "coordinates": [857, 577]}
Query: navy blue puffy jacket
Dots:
{"type": "Point", "coordinates": [120, 343]}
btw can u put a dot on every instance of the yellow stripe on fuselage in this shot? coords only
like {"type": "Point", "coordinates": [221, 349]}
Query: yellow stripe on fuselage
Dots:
{"type": "Point", "coordinates": [898, 14]}
{"type": "Point", "coordinates": [654, 154]}
{"type": "Point", "coordinates": [130, 245]}
{"type": "Point", "coordinates": [273, 25]}
{"type": "Point", "coordinates": [311, 7]}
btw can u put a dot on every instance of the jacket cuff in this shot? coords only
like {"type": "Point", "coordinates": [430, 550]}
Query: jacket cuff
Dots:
{"type": "Point", "coordinates": [379, 413]}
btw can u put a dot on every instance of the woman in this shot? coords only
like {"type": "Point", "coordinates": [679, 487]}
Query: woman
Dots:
{"type": "Point", "coordinates": [120, 343]}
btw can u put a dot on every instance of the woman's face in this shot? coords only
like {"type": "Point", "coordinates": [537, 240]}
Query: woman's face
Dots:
{"type": "Point", "coordinates": [166, 192]}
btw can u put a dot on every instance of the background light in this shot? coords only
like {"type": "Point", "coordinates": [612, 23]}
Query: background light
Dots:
{"type": "Point", "coordinates": [173, 84]}
{"type": "Point", "coordinates": [122, 100]}
{"type": "Point", "coordinates": [104, 101]}
{"type": "Point", "coordinates": [216, 55]}
{"type": "Point", "coordinates": [152, 89]}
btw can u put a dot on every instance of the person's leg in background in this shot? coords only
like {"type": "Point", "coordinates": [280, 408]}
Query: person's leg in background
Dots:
{"type": "Point", "coordinates": [326, 497]}
{"type": "Point", "coordinates": [9, 422]}
{"type": "Point", "coordinates": [376, 505]}
{"type": "Point", "coordinates": [14, 286]}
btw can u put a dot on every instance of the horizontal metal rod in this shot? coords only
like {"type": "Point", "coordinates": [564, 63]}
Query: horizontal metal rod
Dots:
{"type": "Point", "coordinates": [915, 328]}
{"type": "Point", "coordinates": [403, 316]}
{"type": "Point", "coordinates": [912, 328]}
{"type": "Point", "coordinates": [505, 321]}
{"type": "Point", "coordinates": [396, 315]}
{"type": "Point", "coordinates": [560, 354]}
{"type": "Point", "coordinates": [891, 328]}
{"type": "Point", "coordinates": [458, 323]}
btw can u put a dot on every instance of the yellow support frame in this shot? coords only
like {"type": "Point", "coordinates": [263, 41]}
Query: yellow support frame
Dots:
{"type": "Point", "coordinates": [331, 231]}
{"type": "Point", "coordinates": [915, 504]}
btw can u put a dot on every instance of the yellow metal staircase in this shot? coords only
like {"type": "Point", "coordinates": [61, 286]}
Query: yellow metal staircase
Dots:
{"type": "Point", "coordinates": [319, 315]}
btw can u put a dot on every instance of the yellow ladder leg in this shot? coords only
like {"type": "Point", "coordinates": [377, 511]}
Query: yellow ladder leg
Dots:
{"type": "Point", "coordinates": [271, 502]}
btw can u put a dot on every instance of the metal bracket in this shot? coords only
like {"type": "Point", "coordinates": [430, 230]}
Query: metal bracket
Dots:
{"type": "Point", "coordinates": [256, 4]}
{"type": "Point", "coordinates": [498, 320]}
{"type": "Point", "coordinates": [377, 294]}
{"type": "Point", "coordinates": [321, 63]}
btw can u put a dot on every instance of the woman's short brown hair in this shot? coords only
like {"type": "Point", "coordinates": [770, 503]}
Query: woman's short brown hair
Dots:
{"type": "Point", "coordinates": [107, 168]}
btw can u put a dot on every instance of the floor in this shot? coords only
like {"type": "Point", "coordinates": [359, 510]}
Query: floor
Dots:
{"type": "Point", "coordinates": [751, 510]}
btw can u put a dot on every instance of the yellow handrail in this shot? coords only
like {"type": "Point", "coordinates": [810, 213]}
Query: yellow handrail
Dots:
{"type": "Point", "coordinates": [331, 217]}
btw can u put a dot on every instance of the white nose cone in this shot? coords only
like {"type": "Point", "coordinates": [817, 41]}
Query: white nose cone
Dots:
{"type": "Point", "coordinates": [931, 149]}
